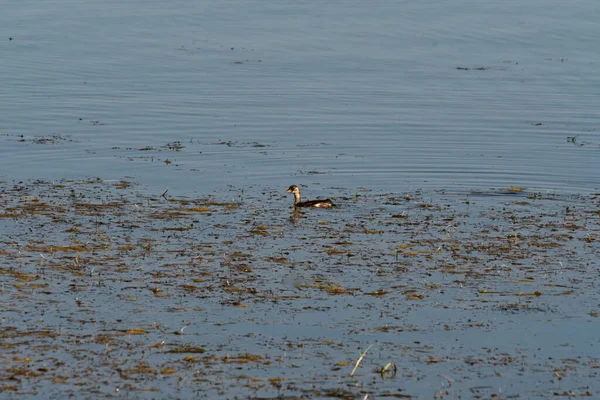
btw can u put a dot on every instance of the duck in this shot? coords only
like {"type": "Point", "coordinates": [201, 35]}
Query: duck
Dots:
{"type": "Point", "coordinates": [310, 203]}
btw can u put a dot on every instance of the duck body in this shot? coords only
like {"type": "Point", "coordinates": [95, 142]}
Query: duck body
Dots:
{"type": "Point", "coordinates": [316, 203]}
{"type": "Point", "coordinates": [326, 203]}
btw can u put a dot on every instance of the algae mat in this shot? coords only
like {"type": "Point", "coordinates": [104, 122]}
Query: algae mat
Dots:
{"type": "Point", "coordinates": [109, 292]}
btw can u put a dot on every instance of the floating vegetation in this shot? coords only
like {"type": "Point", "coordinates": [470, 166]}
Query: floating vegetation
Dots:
{"type": "Point", "coordinates": [107, 290]}
{"type": "Point", "coordinates": [46, 139]}
{"type": "Point", "coordinates": [230, 143]}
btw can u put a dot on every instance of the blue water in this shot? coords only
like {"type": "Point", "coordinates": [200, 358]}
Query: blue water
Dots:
{"type": "Point", "coordinates": [366, 94]}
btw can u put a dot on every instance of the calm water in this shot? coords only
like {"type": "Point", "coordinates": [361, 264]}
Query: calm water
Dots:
{"type": "Point", "coordinates": [340, 95]}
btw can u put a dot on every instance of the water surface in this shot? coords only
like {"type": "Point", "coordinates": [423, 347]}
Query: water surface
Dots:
{"type": "Point", "coordinates": [414, 117]}
{"type": "Point", "coordinates": [390, 96]}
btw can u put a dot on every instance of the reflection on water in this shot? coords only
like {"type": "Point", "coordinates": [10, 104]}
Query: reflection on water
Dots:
{"type": "Point", "coordinates": [296, 214]}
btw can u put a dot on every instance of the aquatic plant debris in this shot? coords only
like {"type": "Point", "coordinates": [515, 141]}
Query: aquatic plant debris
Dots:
{"type": "Point", "coordinates": [108, 290]}
{"type": "Point", "coordinates": [362, 355]}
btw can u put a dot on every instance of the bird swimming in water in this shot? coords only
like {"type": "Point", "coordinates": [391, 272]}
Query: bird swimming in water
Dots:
{"type": "Point", "coordinates": [310, 203]}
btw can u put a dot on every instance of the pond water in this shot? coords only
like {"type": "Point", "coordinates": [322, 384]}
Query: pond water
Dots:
{"type": "Point", "coordinates": [460, 140]}
{"type": "Point", "coordinates": [387, 96]}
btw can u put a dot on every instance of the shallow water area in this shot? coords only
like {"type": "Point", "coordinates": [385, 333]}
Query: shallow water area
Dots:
{"type": "Point", "coordinates": [109, 292]}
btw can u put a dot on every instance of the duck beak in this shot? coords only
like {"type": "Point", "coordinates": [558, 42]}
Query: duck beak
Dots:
{"type": "Point", "coordinates": [288, 191]}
